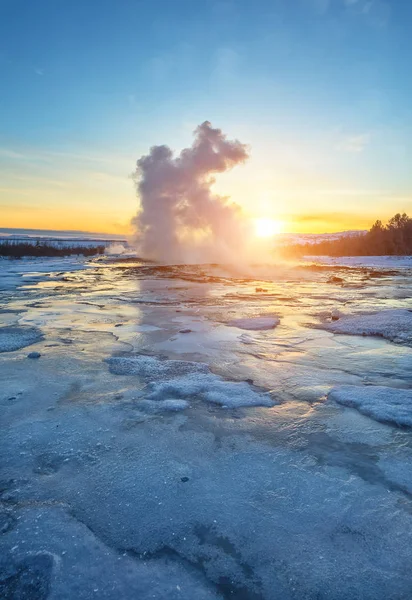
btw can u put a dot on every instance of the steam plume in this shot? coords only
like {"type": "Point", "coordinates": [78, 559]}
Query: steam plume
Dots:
{"type": "Point", "coordinates": [180, 218]}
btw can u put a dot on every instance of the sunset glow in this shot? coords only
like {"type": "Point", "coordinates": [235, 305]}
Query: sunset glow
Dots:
{"type": "Point", "coordinates": [326, 153]}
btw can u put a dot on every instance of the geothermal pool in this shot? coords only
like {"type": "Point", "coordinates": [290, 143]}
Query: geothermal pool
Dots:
{"type": "Point", "coordinates": [198, 432]}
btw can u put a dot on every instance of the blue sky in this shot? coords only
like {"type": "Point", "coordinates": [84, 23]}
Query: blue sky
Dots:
{"type": "Point", "coordinates": [320, 89]}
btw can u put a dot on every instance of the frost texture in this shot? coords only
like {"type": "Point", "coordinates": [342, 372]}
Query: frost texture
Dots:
{"type": "Point", "coordinates": [394, 325]}
{"type": "Point", "coordinates": [78, 565]}
{"type": "Point", "coordinates": [149, 367]}
{"type": "Point", "coordinates": [15, 338]}
{"type": "Point", "coordinates": [255, 323]}
{"type": "Point", "coordinates": [180, 380]}
{"type": "Point", "coordinates": [388, 405]}
{"type": "Point", "coordinates": [210, 388]}
{"type": "Point", "coordinates": [170, 405]}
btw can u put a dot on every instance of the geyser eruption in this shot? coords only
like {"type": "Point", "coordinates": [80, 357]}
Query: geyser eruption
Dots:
{"type": "Point", "coordinates": [180, 219]}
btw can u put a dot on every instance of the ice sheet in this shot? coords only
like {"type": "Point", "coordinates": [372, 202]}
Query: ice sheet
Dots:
{"type": "Point", "coordinates": [255, 323]}
{"type": "Point", "coordinates": [122, 476]}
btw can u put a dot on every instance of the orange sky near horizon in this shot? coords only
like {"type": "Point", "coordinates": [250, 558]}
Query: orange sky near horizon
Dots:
{"type": "Point", "coordinates": [93, 191]}
{"type": "Point", "coordinates": [87, 219]}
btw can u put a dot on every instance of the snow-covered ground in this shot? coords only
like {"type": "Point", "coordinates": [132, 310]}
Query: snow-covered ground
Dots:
{"type": "Point", "coordinates": [113, 244]}
{"type": "Point", "coordinates": [384, 262]}
{"type": "Point", "coordinates": [199, 432]}
{"type": "Point", "coordinates": [59, 235]}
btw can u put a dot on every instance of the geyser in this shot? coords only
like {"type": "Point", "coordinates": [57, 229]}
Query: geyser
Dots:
{"type": "Point", "coordinates": [180, 218]}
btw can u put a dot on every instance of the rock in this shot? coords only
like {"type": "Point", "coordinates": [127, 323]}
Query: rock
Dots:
{"type": "Point", "coordinates": [34, 355]}
{"type": "Point", "coordinates": [184, 479]}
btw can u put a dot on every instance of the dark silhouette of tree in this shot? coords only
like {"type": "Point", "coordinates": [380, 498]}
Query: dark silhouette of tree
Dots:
{"type": "Point", "coordinates": [20, 249]}
{"type": "Point", "coordinates": [394, 238]}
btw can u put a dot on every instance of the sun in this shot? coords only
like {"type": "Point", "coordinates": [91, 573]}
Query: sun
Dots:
{"type": "Point", "coordinates": [267, 227]}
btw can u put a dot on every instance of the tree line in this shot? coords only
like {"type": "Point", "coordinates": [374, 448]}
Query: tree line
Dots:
{"type": "Point", "coordinates": [394, 238]}
{"type": "Point", "coordinates": [21, 249]}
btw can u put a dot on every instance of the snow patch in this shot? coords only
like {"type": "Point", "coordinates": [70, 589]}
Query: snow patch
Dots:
{"type": "Point", "coordinates": [394, 325]}
{"type": "Point", "coordinates": [389, 262]}
{"type": "Point", "coordinates": [183, 380]}
{"type": "Point", "coordinates": [150, 367]}
{"type": "Point", "coordinates": [384, 404]}
{"type": "Point", "coordinates": [14, 338]}
{"type": "Point", "coordinates": [171, 405]}
{"type": "Point", "coordinates": [211, 388]}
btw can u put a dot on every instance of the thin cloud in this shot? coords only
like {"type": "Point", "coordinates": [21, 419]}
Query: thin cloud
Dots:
{"type": "Point", "coordinates": [354, 143]}
{"type": "Point", "coordinates": [8, 153]}
{"type": "Point", "coordinates": [376, 12]}
{"type": "Point", "coordinates": [333, 216]}
{"type": "Point", "coordinates": [37, 155]}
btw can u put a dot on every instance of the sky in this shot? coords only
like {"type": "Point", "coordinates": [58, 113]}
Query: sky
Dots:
{"type": "Point", "coordinates": [320, 90]}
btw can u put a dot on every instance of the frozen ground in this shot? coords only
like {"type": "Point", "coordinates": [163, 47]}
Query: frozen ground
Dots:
{"type": "Point", "coordinates": [196, 432]}
{"type": "Point", "coordinates": [387, 262]}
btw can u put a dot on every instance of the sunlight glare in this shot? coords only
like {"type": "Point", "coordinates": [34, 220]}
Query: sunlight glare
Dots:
{"type": "Point", "coordinates": [267, 227]}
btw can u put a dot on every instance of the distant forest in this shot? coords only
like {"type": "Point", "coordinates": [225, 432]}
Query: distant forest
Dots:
{"type": "Point", "coordinates": [394, 238]}
{"type": "Point", "coordinates": [21, 249]}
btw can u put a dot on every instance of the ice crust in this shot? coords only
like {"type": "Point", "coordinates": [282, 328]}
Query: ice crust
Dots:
{"type": "Point", "coordinates": [169, 405]}
{"type": "Point", "coordinates": [393, 324]}
{"type": "Point", "coordinates": [76, 564]}
{"type": "Point", "coordinates": [150, 367]}
{"type": "Point", "coordinates": [167, 505]}
{"type": "Point", "coordinates": [255, 323]}
{"type": "Point", "coordinates": [15, 273]}
{"type": "Point", "coordinates": [210, 389]}
{"type": "Point", "coordinates": [14, 338]}
{"type": "Point", "coordinates": [121, 480]}
{"type": "Point", "coordinates": [171, 380]}
{"type": "Point", "coordinates": [385, 404]}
